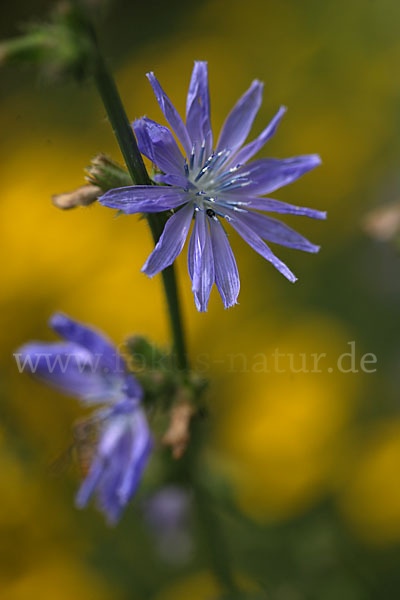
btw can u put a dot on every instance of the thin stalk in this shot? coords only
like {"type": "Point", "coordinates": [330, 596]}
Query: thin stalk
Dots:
{"type": "Point", "coordinates": [213, 535]}
{"type": "Point", "coordinates": [137, 170]}
{"type": "Point", "coordinates": [214, 542]}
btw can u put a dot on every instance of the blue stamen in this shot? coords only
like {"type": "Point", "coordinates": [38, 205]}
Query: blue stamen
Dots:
{"type": "Point", "coordinates": [202, 152]}
{"type": "Point", "coordinates": [191, 160]}
{"type": "Point", "coordinates": [207, 166]}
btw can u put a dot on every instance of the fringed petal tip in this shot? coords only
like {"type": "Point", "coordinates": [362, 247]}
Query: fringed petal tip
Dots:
{"type": "Point", "coordinates": [112, 514]}
{"type": "Point", "coordinates": [150, 275]}
{"type": "Point", "coordinates": [59, 319]}
{"type": "Point", "coordinates": [316, 160]}
{"type": "Point", "coordinates": [202, 307]}
{"type": "Point", "coordinates": [285, 271]}
{"type": "Point", "coordinates": [230, 304]}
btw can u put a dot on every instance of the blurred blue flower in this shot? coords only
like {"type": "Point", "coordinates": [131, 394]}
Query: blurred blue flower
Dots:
{"type": "Point", "coordinates": [88, 366]}
{"type": "Point", "coordinates": [214, 182]}
{"type": "Point", "coordinates": [167, 513]}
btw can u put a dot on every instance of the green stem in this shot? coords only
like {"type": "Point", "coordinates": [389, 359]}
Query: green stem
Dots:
{"type": "Point", "coordinates": [214, 542]}
{"type": "Point", "coordinates": [211, 531]}
{"type": "Point", "coordinates": [120, 123]}
{"type": "Point", "coordinates": [137, 170]}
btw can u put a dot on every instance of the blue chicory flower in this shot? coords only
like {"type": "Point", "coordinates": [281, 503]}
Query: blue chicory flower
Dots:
{"type": "Point", "coordinates": [88, 366]}
{"type": "Point", "coordinates": [214, 183]}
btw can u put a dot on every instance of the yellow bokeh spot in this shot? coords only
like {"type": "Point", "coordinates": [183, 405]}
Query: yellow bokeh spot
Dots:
{"type": "Point", "coordinates": [59, 576]}
{"type": "Point", "coordinates": [280, 431]}
{"type": "Point", "coordinates": [201, 586]}
{"type": "Point", "coordinates": [371, 498]}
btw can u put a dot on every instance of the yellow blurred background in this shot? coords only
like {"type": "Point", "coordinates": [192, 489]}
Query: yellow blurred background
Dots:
{"type": "Point", "coordinates": [305, 453]}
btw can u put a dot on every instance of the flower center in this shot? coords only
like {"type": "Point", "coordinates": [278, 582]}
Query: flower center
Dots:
{"type": "Point", "coordinates": [210, 177]}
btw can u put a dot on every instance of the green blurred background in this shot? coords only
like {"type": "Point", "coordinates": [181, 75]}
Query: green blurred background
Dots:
{"type": "Point", "coordinates": [312, 459]}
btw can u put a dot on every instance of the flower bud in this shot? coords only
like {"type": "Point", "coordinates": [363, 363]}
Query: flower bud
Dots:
{"type": "Point", "coordinates": [107, 173]}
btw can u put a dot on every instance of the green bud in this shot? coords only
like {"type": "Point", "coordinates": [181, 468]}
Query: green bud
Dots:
{"type": "Point", "coordinates": [106, 173]}
{"type": "Point", "coordinates": [103, 174]}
